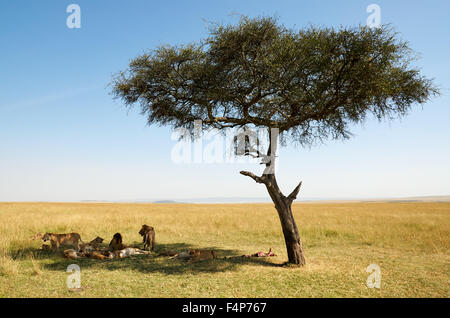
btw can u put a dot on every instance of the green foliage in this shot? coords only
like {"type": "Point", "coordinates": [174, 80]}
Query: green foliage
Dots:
{"type": "Point", "coordinates": [312, 84]}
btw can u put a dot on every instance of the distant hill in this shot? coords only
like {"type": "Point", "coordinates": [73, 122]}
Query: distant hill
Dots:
{"type": "Point", "coordinates": [166, 201]}
{"type": "Point", "coordinates": [435, 198]}
{"type": "Point", "coordinates": [212, 200]}
{"type": "Point", "coordinates": [430, 198]}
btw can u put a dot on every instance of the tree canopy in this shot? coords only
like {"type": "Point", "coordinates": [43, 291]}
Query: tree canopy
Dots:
{"type": "Point", "coordinates": [311, 84]}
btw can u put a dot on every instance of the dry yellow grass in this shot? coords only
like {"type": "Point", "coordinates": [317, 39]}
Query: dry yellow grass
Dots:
{"type": "Point", "coordinates": [409, 241]}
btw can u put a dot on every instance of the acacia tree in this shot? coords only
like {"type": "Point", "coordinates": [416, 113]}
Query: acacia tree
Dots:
{"type": "Point", "coordinates": [309, 86]}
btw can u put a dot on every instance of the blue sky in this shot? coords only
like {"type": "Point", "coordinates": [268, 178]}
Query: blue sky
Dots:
{"type": "Point", "coordinates": [63, 137]}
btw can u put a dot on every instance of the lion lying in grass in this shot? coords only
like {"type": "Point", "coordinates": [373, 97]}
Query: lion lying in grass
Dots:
{"type": "Point", "coordinates": [129, 251]}
{"type": "Point", "coordinates": [92, 245]}
{"type": "Point", "coordinates": [199, 255]}
{"type": "Point", "coordinates": [116, 248]}
{"type": "Point", "coordinates": [126, 252]}
{"type": "Point", "coordinates": [193, 255]}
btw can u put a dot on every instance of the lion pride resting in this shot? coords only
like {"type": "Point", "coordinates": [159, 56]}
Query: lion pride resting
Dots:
{"type": "Point", "coordinates": [116, 250]}
{"type": "Point", "coordinates": [116, 247]}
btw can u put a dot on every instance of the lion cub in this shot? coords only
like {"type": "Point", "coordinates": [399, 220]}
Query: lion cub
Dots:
{"type": "Point", "coordinates": [56, 240]}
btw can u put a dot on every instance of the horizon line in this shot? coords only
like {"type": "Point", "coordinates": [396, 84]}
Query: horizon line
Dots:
{"type": "Point", "coordinates": [248, 200]}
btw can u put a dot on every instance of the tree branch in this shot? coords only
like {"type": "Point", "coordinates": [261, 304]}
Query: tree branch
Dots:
{"type": "Point", "coordinates": [262, 179]}
{"type": "Point", "coordinates": [294, 193]}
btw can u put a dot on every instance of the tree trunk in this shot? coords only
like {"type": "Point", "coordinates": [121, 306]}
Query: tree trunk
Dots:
{"type": "Point", "coordinates": [283, 205]}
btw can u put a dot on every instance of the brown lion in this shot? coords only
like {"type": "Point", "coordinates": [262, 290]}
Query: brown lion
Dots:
{"type": "Point", "coordinates": [198, 255]}
{"type": "Point", "coordinates": [148, 235]}
{"type": "Point", "coordinates": [72, 254]}
{"type": "Point", "coordinates": [96, 242]}
{"type": "Point", "coordinates": [116, 243]}
{"type": "Point", "coordinates": [96, 255]}
{"type": "Point", "coordinates": [56, 240]}
{"type": "Point", "coordinates": [92, 245]}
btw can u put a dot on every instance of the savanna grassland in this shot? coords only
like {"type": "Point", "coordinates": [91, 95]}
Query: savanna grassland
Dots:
{"type": "Point", "coordinates": [409, 241]}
